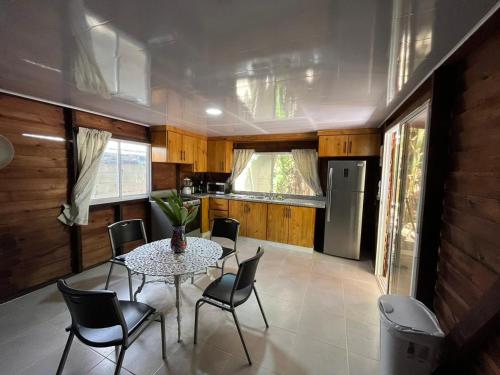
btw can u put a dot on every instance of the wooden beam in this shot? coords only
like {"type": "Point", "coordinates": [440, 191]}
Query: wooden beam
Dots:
{"type": "Point", "coordinates": [348, 131]}
{"type": "Point", "coordinates": [75, 230]}
{"type": "Point", "coordinates": [287, 137]}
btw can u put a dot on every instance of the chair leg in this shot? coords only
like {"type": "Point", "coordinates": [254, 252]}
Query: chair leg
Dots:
{"type": "Point", "coordinates": [65, 354]}
{"type": "Point", "coordinates": [237, 260]}
{"type": "Point", "coordinates": [140, 287]}
{"type": "Point", "coordinates": [131, 293]}
{"type": "Point", "coordinates": [163, 341]}
{"type": "Point", "coordinates": [241, 336]}
{"type": "Point", "coordinates": [198, 305]}
{"type": "Point", "coordinates": [120, 360]}
{"type": "Point", "coordinates": [109, 275]}
{"type": "Point", "coordinates": [260, 306]}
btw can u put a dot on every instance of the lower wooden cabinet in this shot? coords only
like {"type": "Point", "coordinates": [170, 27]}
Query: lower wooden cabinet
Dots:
{"type": "Point", "coordinates": [204, 215]}
{"type": "Point", "coordinates": [291, 224]}
{"type": "Point", "coordinates": [277, 223]}
{"type": "Point", "coordinates": [252, 218]}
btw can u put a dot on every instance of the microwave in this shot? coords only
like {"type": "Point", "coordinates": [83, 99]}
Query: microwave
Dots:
{"type": "Point", "coordinates": [217, 188]}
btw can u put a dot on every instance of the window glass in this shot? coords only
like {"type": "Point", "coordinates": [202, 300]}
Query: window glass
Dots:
{"type": "Point", "coordinates": [123, 172]}
{"type": "Point", "coordinates": [134, 168]}
{"type": "Point", "coordinates": [107, 185]}
{"type": "Point", "coordinates": [272, 172]}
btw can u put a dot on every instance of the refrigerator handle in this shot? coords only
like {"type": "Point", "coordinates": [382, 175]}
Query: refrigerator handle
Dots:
{"type": "Point", "coordinates": [329, 192]}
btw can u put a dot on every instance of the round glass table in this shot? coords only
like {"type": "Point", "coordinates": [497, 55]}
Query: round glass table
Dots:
{"type": "Point", "coordinates": [158, 260]}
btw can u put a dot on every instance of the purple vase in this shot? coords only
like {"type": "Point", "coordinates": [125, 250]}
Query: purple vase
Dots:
{"type": "Point", "coordinates": [178, 241]}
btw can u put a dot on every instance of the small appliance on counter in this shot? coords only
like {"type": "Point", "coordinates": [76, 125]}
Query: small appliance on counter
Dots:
{"type": "Point", "coordinates": [217, 188]}
{"type": "Point", "coordinates": [187, 186]}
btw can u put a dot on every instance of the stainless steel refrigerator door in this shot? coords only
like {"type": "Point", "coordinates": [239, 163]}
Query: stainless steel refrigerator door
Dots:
{"type": "Point", "coordinates": [347, 175]}
{"type": "Point", "coordinates": [343, 230]}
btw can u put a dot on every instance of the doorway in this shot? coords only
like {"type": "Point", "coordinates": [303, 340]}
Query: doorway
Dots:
{"type": "Point", "coordinates": [401, 194]}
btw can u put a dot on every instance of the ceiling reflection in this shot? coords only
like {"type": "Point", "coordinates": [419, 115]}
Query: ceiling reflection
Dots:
{"type": "Point", "coordinates": [271, 66]}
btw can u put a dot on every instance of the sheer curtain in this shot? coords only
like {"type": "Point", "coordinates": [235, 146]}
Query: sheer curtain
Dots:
{"type": "Point", "coordinates": [306, 162]}
{"type": "Point", "coordinates": [240, 161]}
{"type": "Point", "coordinates": [91, 144]}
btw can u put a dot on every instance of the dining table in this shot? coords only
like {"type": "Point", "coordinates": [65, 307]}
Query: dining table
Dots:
{"type": "Point", "coordinates": [157, 259]}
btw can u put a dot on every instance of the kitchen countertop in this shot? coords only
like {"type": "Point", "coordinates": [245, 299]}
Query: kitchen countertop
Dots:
{"type": "Point", "coordinates": [318, 202]}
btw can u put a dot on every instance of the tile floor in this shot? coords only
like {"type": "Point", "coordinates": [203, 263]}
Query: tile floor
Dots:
{"type": "Point", "coordinates": [322, 312]}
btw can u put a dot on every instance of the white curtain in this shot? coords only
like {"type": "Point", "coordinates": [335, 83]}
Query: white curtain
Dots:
{"type": "Point", "coordinates": [306, 162]}
{"type": "Point", "coordinates": [91, 144]}
{"type": "Point", "coordinates": [240, 161]}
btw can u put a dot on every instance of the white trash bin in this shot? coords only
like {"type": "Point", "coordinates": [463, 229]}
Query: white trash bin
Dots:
{"type": "Point", "coordinates": [410, 337]}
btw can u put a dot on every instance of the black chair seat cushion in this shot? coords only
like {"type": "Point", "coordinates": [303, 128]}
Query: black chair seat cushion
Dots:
{"type": "Point", "coordinates": [220, 290]}
{"type": "Point", "coordinates": [226, 251]}
{"type": "Point", "coordinates": [135, 313]}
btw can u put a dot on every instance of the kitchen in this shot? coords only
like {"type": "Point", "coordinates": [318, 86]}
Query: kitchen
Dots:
{"type": "Point", "coordinates": [249, 187]}
{"type": "Point", "coordinates": [291, 213]}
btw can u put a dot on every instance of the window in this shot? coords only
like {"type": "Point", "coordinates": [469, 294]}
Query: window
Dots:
{"type": "Point", "coordinates": [272, 172]}
{"type": "Point", "coordinates": [124, 172]}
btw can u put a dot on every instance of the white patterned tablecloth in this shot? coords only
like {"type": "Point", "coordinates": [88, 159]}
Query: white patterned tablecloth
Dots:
{"type": "Point", "coordinates": [157, 258]}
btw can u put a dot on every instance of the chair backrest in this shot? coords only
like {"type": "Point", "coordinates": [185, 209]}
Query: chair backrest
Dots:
{"type": "Point", "coordinates": [246, 273]}
{"type": "Point", "coordinates": [226, 228]}
{"type": "Point", "coordinates": [92, 308]}
{"type": "Point", "coordinates": [123, 232]}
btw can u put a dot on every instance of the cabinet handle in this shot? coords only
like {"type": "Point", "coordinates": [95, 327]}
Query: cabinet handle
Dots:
{"type": "Point", "coordinates": [345, 147]}
{"type": "Point", "coordinates": [350, 146]}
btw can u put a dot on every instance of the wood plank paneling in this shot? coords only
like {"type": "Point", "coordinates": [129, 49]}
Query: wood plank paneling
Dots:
{"type": "Point", "coordinates": [34, 245]}
{"type": "Point", "coordinates": [469, 259]}
{"type": "Point", "coordinates": [134, 210]}
{"type": "Point", "coordinates": [96, 247]}
{"type": "Point", "coordinates": [120, 129]}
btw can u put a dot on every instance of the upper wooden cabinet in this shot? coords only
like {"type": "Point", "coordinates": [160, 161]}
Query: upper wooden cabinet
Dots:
{"type": "Point", "coordinates": [355, 142]}
{"type": "Point", "coordinates": [200, 156]}
{"type": "Point", "coordinates": [220, 156]}
{"type": "Point", "coordinates": [170, 145]}
{"type": "Point", "coordinates": [252, 217]}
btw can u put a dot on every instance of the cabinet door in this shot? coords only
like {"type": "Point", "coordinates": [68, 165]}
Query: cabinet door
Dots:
{"type": "Point", "coordinates": [333, 145]}
{"type": "Point", "coordinates": [213, 164]}
{"type": "Point", "coordinates": [218, 204]}
{"type": "Point", "coordinates": [228, 157]}
{"type": "Point", "coordinates": [174, 147]}
{"type": "Point", "coordinates": [188, 146]}
{"type": "Point", "coordinates": [238, 211]}
{"type": "Point", "coordinates": [256, 220]}
{"type": "Point", "coordinates": [158, 144]}
{"type": "Point", "coordinates": [364, 145]}
{"type": "Point", "coordinates": [301, 227]}
{"type": "Point", "coordinates": [213, 214]}
{"type": "Point", "coordinates": [200, 156]}
{"type": "Point", "coordinates": [205, 221]}
{"type": "Point", "coordinates": [277, 223]}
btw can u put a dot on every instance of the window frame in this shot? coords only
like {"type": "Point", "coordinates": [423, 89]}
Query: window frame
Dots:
{"type": "Point", "coordinates": [121, 198]}
{"type": "Point", "coordinates": [244, 192]}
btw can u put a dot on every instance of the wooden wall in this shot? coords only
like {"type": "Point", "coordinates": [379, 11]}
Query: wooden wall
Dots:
{"type": "Point", "coordinates": [34, 245]}
{"type": "Point", "coordinates": [469, 257]}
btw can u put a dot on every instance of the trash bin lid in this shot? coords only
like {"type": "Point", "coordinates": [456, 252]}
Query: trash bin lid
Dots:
{"type": "Point", "coordinates": [407, 314]}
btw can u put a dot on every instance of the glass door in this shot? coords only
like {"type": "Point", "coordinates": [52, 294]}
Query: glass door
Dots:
{"type": "Point", "coordinates": [401, 197]}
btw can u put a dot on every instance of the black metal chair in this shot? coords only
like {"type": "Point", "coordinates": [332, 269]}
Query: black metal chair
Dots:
{"type": "Point", "coordinates": [231, 290]}
{"type": "Point", "coordinates": [99, 319]}
{"type": "Point", "coordinates": [121, 233]}
{"type": "Point", "coordinates": [229, 229]}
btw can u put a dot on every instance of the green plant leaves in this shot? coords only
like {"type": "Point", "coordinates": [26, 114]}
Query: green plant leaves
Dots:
{"type": "Point", "coordinates": [174, 208]}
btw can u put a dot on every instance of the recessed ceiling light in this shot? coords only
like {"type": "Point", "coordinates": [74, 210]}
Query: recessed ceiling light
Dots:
{"type": "Point", "coordinates": [213, 111]}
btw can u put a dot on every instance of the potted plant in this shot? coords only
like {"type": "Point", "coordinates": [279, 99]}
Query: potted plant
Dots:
{"type": "Point", "coordinates": [179, 214]}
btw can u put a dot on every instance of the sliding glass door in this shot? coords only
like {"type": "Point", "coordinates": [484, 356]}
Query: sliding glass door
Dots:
{"type": "Point", "coordinates": [401, 198]}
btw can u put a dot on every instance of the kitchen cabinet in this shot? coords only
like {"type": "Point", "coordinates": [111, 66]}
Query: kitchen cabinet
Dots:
{"type": "Point", "coordinates": [277, 223]}
{"type": "Point", "coordinates": [200, 156]}
{"type": "Point", "coordinates": [205, 220]}
{"type": "Point", "coordinates": [219, 156]}
{"type": "Point", "coordinates": [291, 224]}
{"type": "Point", "coordinates": [363, 142]}
{"type": "Point", "coordinates": [252, 217]}
{"type": "Point", "coordinates": [301, 226]}
{"type": "Point", "coordinates": [171, 146]}
{"type": "Point", "coordinates": [218, 208]}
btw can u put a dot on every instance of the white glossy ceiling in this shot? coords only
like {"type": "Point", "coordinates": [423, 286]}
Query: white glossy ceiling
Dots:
{"type": "Point", "coordinates": [277, 66]}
